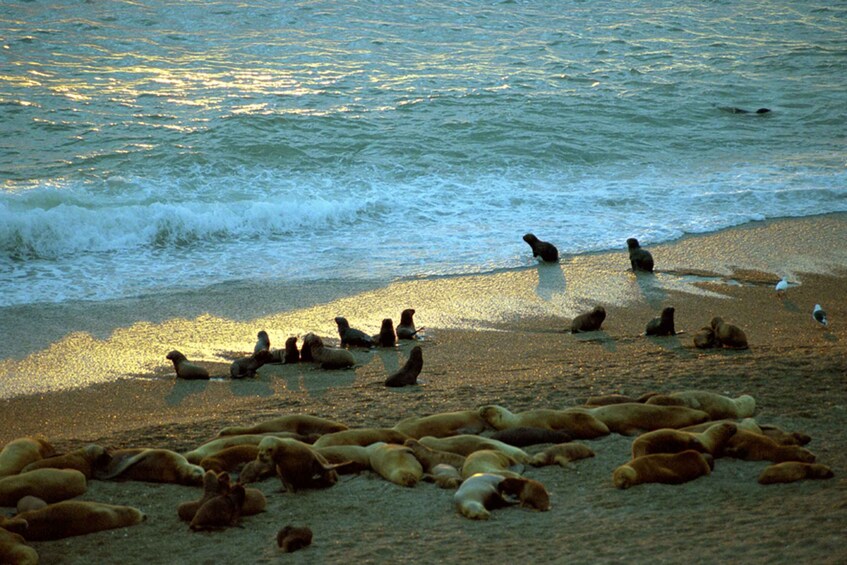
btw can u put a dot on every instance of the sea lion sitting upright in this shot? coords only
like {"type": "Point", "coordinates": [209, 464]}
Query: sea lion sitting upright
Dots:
{"type": "Point", "coordinates": [547, 251]}
{"type": "Point", "coordinates": [220, 511]}
{"type": "Point", "coordinates": [639, 258]}
{"type": "Point", "coordinates": [406, 327]}
{"type": "Point", "coordinates": [408, 374]}
{"type": "Point", "coordinates": [185, 369]}
{"type": "Point", "coordinates": [327, 357]}
{"type": "Point", "coordinates": [291, 354]}
{"type": "Point", "coordinates": [728, 335]}
{"type": "Point", "coordinates": [352, 336]}
{"type": "Point", "coordinates": [246, 367]}
{"type": "Point", "coordinates": [386, 337]}
{"type": "Point", "coordinates": [590, 321]}
{"type": "Point", "coordinates": [263, 342]}
{"type": "Point", "coordinates": [663, 325]}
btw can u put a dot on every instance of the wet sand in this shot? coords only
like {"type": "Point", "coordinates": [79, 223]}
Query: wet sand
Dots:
{"type": "Point", "coordinates": [499, 339]}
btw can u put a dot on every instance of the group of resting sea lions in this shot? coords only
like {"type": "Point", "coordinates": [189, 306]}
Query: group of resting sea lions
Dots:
{"type": "Point", "coordinates": [482, 453]}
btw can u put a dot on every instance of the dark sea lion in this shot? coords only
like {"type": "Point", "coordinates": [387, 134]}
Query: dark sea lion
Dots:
{"type": "Point", "coordinates": [408, 374]}
{"type": "Point", "coordinates": [291, 354]}
{"type": "Point", "coordinates": [214, 484]}
{"type": "Point", "coordinates": [663, 325]}
{"type": "Point", "coordinates": [292, 538]}
{"type": "Point", "coordinates": [220, 511]}
{"type": "Point", "coordinates": [327, 357]}
{"type": "Point", "coordinates": [639, 258]}
{"type": "Point", "coordinates": [524, 436]}
{"type": "Point", "coordinates": [547, 251]}
{"type": "Point", "coordinates": [705, 338]}
{"type": "Point", "coordinates": [386, 336]}
{"type": "Point", "coordinates": [297, 464]}
{"type": "Point", "coordinates": [735, 110]}
{"type": "Point", "coordinates": [590, 321]}
{"type": "Point", "coordinates": [185, 369]}
{"type": "Point", "coordinates": [666, 468]}
{"type": "Point", "coordinates": [751, 446]}
{"type": "Point", "coordinates": [246, 367]}
{"type": "Point", "coordinates": [263, 342]}
{"type": "Point", "coordinates": [77, 517]}
{"type": "Point", "coordinates": [352, 336]}
{"type": "Point", "coordinates": [728, 335]}
{"type": "Point", "coordinates": [791, 471]}
{"type": "Point", "coordinates": [406, 327]}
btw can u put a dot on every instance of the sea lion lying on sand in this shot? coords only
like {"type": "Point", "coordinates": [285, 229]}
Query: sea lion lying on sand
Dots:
{"type": "Point", "coordinates": [589, 321]}
{"type": "Point", "coordinates": [85, 460]}
{"type": "Point", "coordinates": [246, 367]}
{"type": "Point", "coordinates": [728, 335]}
{"type": "Point", "coordinates": [465, 444]}
{"type": "Point", "coordinates": [14, 550]}
{"type": "Point", "coordinates": [667, 468]}
{"type": "Point", "coordinates": [185, 369]}
{"type": "Point", "coordinates": [489, 461]}
{"type": "Point", "coordinates": [213, 446]}
{"type": "Point", "coordinates": [667, 440]}
{"type": "Point", "coordinates": [20, 452]}
{"type": "Point", "coordinates": [663, 325]}
{"type": "Point", "coordinates": [431, 458]}
{"type": "Point", "coordinates": [443, 424]}
{"type": "Point", "coordinates": [524, 436]}
{"type": "Point", "coordinates": [396, 463]}
{"type": "Point", "coordinates": [77, 517]}
{"type": "Point", "coordinates": [561, 454]}
{"type": "Point", "coordinates": [291, 538]}
{"type": "Point", "coordinates": [301, 424]}
{"type": "Point", "coordinates": [230, 460]}
{"type": "Point", "coordinates": [357, 457]}
{"type": "Point", "coordinates": [153, 465]}
{"type": "Point", "coordinates": [351, 336]}
{"type": "Point", "coordinates": [705, 338]}
{"type": "Point", "coordinates": [717, 406]}
{"type": "Point", "coordinates": [444, 476]}
{"type": "Point", "coordinates": [630, 419]}
{"type": "Point", "coordinates": [361, 436]}
{"type": "Point", "coordinates": [326, 357]}
{"type": "Point", "coordinates": [484, 492]}
{"type": "Point", "coordinates": [579, 423]}
{"type": "Point", "coordinates": [751, 446]}
{"type": "Point", "coordinates": [791, 471]}
{"type": "Point", "coordinates": [297, 464]}
{"type": "Point", "coordinates": [50, 485]}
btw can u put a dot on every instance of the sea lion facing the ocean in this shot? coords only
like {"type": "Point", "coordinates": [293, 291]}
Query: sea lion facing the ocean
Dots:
{"type": "Point", "coordinates": [663, 325]}
{"type": "Point", "coordinates": [327, 357]}
{"type": "Point", "coordinates": [386, 337]}
{"type": "Point", "coordinates": [185, 369]}
{"type": "Point", "coordinates": [246, 367]}
{"type": "Point", "coordinates": [291, 354]}
{"type": "Point", "coordinates": [352, 336]}
{"type": "Point", "coordinates": [263, 342]}
{"type": "Point", "coordinates": [547, 251]}
{"type": "Point", "coordinates": [406, 328]}
{"type": "Point", "coordinates": [590, 321]}
{"type": "Point", "coordinates": [408, 373]}
{"type": "Point", "coordinates": [639, 258]}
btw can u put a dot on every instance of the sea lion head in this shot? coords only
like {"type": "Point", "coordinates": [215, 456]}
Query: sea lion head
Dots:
{"type": "Point", "coordinates": [342, 322]}
{"type": "Point", "coordinates": [530, 238]}
{"type": "Point", "coordinates": [716, 322]}
{"type": "Point", "coordinates": [176, 357]}
{"type": "Point", "coordinates": [529, 492]}
{"type": "Point", "coordinates": [496, 416]}
{"type": "Point", "coordinates": [406, 316]}
{"type": "Point", "coordinates": [624, 477]}
{"type": "Point", "coordinates": [667, 315]}
{"type": "Point", "coordinates": [387, 325]}
{"type": "Point", "coordinates": [598, 313]}
{"type": "Point", "coordinates": [632, 243]}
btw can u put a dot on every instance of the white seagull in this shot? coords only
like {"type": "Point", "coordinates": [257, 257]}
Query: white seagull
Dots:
{"type": "Point", "coordinates": [819, 315]}
{"type": "Point", "coordinates": [782, 286]}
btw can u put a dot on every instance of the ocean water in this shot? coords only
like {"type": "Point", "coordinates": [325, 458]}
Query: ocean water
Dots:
{"type": "Point", "coordinates": [159, 147]}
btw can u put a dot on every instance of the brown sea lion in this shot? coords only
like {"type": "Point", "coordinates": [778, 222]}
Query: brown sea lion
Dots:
{"type": "Point", "coordinates": [561, 454]}
{"type": "Point", "coordinates": [633, 418]}
{"type": "Point", "coordinates": [263, 342]}
{"type": "Point", "coordinates": [386, 337]}
{"type": "Point", "coordinates": [219, 444]}
{"type": "Point", "coordinates": [524, 436]}
{"type": "Point", "coordinates": [77, 517]}
{"type": "Point", "coordinates": [351, 336]}
{"type": "Point", "coordinates": [716, 405]}
{"type": "Point", "coordinates": [50, 485]}
{"type": "Point", "coordinates": [579, 423]}
{"type": "Point", "coordinates": [728, 335]}
{"type": "Point", "coordinates": [589, 321]}
{"type": "Point", "coordinates": [291, 355]}
{"type": "Point", "coordinates": [221, 511]}
{"type": "Point", "coordinates": [14, 550]}
{"type": "Point", "coordinates": [639, 258]}
{"type": "Point", "coordinates": [301, 424]}
{"type": "Point", "coordinates": [606, 399]}
{"type": "Point", "coordinates": [406, 328]}
{"type": "Point", "coordinates": [705, 338]}
{"type": "Point", "coordinates": [297, 464]}
{"type": "Point", "coordinates": [152, 465]}
{"type": "Point", "coordinates": [481, 493]}
{"type": "Point", "coordinates": [246, 367]}
{"type": "Point", "coordinates": [663, 325]}
{"type": "Point", "coordinates": [783, 437]}
{"type": "Point", "coordinates": [356, 457]}
{"type": "Point", "coordinates": [489, 461]}
{"type": "Point", "coordinates": [362, 436]}
{"type": "Point", "coordinates": [291, 538]}
{"type": "Point", "coordinates": [667, 468]}
{"type": "Point", "coordinates": [20, 452]}
{"type": "Point", "coordinates": [395, 463]}
{"type": "Point", "coordinates": [408, 374]}
{"type": "Point", "coordinates": [547, 251]}
{"type": "Point", "coordinates": [256, 471]}
{"type": "Point", "coordinates": [751, 446]}
{"type": "Point", "coordinates": [230, 460]}
{"type": "Point", "coordinates": [214, 484]}
{"type": "Point", "coordinates": [443, 424]}
{"type": "Point", "coordinates": [30, 503]}
{"type": "Point", "coordinates": [431, 458]}
{"type": "Point", "coordinates": [666, 440]}
{"type": "Point", "coordinates": [85, 460]}
{"type": "Point", "coordinates": [327, 357]}
{"type": "Point", "coordinates": [791, 471]}
{"type": "Point", "coordinates": [185, 369]}
{"type": "Point", "coordinates": [444, 476]}
{"type": "Point", "coordinates": [465, 444]}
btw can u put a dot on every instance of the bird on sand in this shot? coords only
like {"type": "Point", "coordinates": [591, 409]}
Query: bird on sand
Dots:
{"type": "Point", "coordinates": [781, 287]}
{"type": "Point", "coordinates": [819, 315]}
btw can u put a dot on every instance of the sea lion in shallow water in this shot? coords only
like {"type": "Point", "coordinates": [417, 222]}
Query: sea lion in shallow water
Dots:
{"type": "Point", "coordinates": [639, 258]}
{"type": "Point", "coordinates": [728, 335]}
{"type": "Point", "coordinates": [352, 336]}
{"type": "Point", "coordinates": [667, 468]}
{"type": "Point", "coordinates": [589, 321]}
{"type": "Point", "coordinates": [406, 328]}
{"type": "Point", "coordinates": [22, 451]}
{"type": "Point", "coordinates": [408, 373]}
{"type": "Point", "coordinates": [185, 369]}
{"type": "Point", "coordinates": [547, 251]}
{"type": "Point", "coordinates": [386, 337]}
{"type": "Point", "coordinates": [483, 492]}
{"type": "Point", "coordinates": [791, 471]}
{"type": "Point", "coordinates": [663, 325]}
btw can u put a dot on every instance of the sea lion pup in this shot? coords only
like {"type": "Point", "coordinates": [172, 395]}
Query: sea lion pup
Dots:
{"type": "Point", "coordinates": [77, 517]}
{"type": "Point", "coordinates": [219, 444]}
{"type": "Point", "coordinates": [406, 327]}
{"type": "Point", "coordinates": [561, 454]}
{"type": "Point", "coordinates": [547, 251]}
{"type": "Point", "coordinates": [297, 464]}
{"type": "Point", "coordinates": [185, 369]}
{"type": "Point", "coordinates": [84, 460]}
{"type": "Point", "coordinates": [230, 460]}
{"type": "Point", "coordinates": [14, 550]}
{"type": "Point", "coordinates": [246, 367]}
{"type": "Point", "coordinates": [50, 485]}
{"type": "Point", "coordinates": [408, 373]}
{"type": "Point", "coordinates": [579, 423]}
{"type": "Point", "coordinates": [667, 440]}
{"type": "Point", "coordinates": [431, 458]}
{"type": "Point", "coordinates": [666, 468]}
{"type": "Point", "coordinates": [356, 457]}
{"type": "Point", "coordinates": [301, 424]}
{"type": "Point", "coordinates": [290, 539]}
{"type": "Point", "coordinates": [256, 471]}
{"type": "Point", "coordinates": [751, 446]}
{"type": "Point", "coordinates": [705, 338]}
{"type": "Point", "coordinates": [483, 492]}
{"type": "Point", "coordinates": [291, 355]}
{"type": "Point", "coordinates": [791, 471]}
{"type": "Point", "coordinates": [220, 511]}
{"type": "Point", "coordinates": [589, 321]}
{"type": "Point", "coordinates": [351, 336]}
{"type": "Point", "coordinates": [632, 418]}
{"type": "Point", "coordinates": [361, 436]}
{"type": "Point", "coordinates": [663, 325]}
{"type": "Point", "coordinates": [444, 476]}
{"type": "Point", "coordinates": [152, 465]}
{"type": "Point", "coordinates": [395, 463]}
{"type": "Point", "coordinates": [263, 342]}
{"type": "Point", "coordinates": [727, 335]}
{"type": "Point", "coordinates": [489, 461]}
{"type": "Point", "coordinates": [524, 436]}
{"type": "Point", "coordinates": [22, 451]}
{"type": "Point", "coordinates": [465, 444]}
{"type": "Point", "coordinates": [443, 424]}
{"type": "Point", "coordinates": [213, 485]}
{"type": "Point", "coordinates": [639, 258]}
{"type": "Point", "coordinates": [716, 405]}
{"type": "Point", "coordinates": [327, 357]}
{"type": "Point", "coordinates": [386, 336]}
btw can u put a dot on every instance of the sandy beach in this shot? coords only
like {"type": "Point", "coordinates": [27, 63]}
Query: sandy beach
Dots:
{"type": "Point", "coordinates": [490, 339]}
